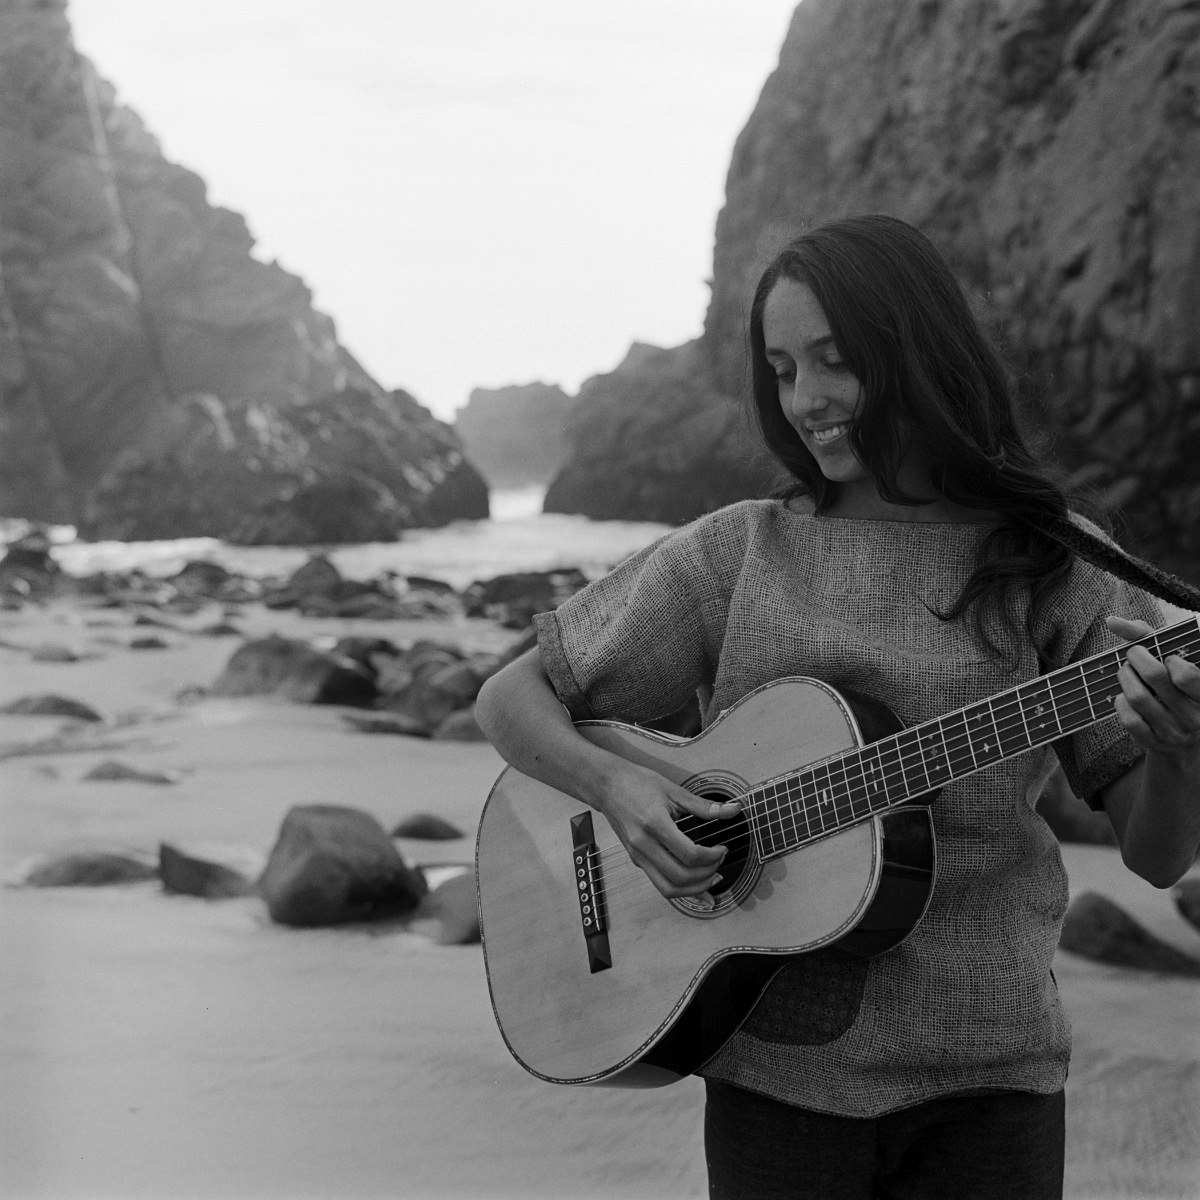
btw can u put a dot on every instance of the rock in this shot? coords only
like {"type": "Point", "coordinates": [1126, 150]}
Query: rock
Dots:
{"type": "Point", "coordinates": [90, 869]}
{"type": "Point", "coordinates": [1070, 818]}
{"type": "Point", "coordinates": [160, 380]}
{"type": "Point", "coordinates": [54, 652]}
{"type": "Point", "coordinates": [27, 567]}
{"type": "Point", "coordinates": [514, 434]}
{"type": "Point", "coordinates": [52, 706]}
{"type": "Point", "coordinates": [114, 771]}
{"type": "Point", "coordinates": [425, 684]}
{"type": "Point", "coordinates": [450, 912]}
{"type": "Point", "coordinates": [153, 642]}
{"type": "Point", "coordinates": [187, 875]}
{"type": "Point", "coordinates": [512, 599]}
{"type": "Point", "coordinates": [1052, 150]}
{"type": "Point", "coordinates": [1186, 895]}
{"type": "Point", "coordinates": [293, 670]}
{"type": "Point", "coordinates": [656, 440]}
{"type": "Point", "coordinates": [1097, 928]}
{"type": "Point", "coordinates": [386, 723]}
{"type": "Point", "coordinates": [362, 650]}
{"type": "Point", "coordinates": [201, 578]}
{"type": "Point", "coordinates": [331, 865]}
{"type": "Point", "coordinates": [427, 827]}
{"type": "Point", "coordinates": [459, 726]}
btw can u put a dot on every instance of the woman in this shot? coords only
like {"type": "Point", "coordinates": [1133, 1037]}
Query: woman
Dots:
{"type": "Point", "coordinates": [921, 558]}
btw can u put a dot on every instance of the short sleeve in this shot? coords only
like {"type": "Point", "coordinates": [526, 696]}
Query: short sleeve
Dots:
{"type": "Point", "coordinates": [1096, 756]}
{"type": "Point", "coordinates": [638, 643]}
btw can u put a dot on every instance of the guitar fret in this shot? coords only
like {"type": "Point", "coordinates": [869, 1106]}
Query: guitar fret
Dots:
{"type": "Point", "coordinates": [853, 786]}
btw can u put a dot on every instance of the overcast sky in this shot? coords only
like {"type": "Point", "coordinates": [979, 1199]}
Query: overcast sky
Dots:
{"type": "Point", "coordinates": [479, 192]}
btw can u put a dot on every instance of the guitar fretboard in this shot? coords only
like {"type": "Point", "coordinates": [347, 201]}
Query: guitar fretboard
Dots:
{"type": "Point", "coordinates": [794, 809]}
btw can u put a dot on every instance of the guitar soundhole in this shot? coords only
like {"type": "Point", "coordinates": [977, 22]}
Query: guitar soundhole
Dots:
{"type": "Point", "coordinates": [739, 869]}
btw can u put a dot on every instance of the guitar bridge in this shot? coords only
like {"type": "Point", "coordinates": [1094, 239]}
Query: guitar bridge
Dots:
{"type": "Point", "coordinates": [589, 891]}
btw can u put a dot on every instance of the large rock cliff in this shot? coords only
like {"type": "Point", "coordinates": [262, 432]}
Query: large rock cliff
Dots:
{"type": "Point", "coordinates": [515, 435]}
{"type": "Point", "coordinates": [1052, 149]}
{"type": "Point", "coordinates": [158, 380]}
{"type": "Point", "coordinates": [652, 441]}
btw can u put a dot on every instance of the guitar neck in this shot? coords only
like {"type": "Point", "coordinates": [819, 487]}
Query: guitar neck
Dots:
{"type": "Point", "coordinates": [795, 809]}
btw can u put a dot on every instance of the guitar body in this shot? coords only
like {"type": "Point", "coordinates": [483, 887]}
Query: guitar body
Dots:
{"type": "Point", "coordinates": [597, 978]}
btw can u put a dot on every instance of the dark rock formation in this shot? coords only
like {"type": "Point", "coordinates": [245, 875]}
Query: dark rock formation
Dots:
{"type": "Point", "coordinates": [654, 441]}
{"type": "Point", "coordinates": [1052, 149]}
{"type": "Point", "coordinates": [428, 827]}
{"type": "Point", "coordinates": [186, 874]}
{"type": "Point", "coordinates": [158, 381]}
{"type": "Point", "coordinates": [112, 770]}
{"type": "Point", "coordinates": [513, 598]}
{"type": "Point", "coordinates": [292, 669]}
{"type": "Point", "coordinates": [50, 705]}
{"type": "Point", "coordinates": [1097, 928]}
{"type": "Point", "coordinates": [90, 868]}
{"type": "Point", "coordinates": [332, 864]}
{"type": "Point", "coordinates": [515, 435]}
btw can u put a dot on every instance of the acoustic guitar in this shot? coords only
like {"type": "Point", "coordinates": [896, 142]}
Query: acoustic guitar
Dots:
{"type": "Point", "coordinates": [597, 978]}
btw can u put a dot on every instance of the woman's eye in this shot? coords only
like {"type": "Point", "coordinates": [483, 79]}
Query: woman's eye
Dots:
{"type": "Point", "coordinates": [785, 374]}
{"type": "Point", "coordinates": [834, 364]}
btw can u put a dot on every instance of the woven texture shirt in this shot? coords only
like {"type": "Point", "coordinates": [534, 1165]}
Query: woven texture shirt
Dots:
{"type": "Point", "coordinates": [760, 590]}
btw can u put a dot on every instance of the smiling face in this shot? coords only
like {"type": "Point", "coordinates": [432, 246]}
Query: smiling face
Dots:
{"type": "Point", "coordinates": [819, 396]}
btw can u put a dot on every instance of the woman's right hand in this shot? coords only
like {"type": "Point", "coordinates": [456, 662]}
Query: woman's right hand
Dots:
{"type": "Point", "coordinates": [642, 807]}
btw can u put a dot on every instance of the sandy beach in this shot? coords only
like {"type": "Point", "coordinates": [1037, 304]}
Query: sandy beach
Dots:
{"type": "Point", "coordinates": [163, 1046]}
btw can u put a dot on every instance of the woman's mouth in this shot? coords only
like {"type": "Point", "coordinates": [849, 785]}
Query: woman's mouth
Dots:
{"type": "Point", "coordinates": [830, 433]}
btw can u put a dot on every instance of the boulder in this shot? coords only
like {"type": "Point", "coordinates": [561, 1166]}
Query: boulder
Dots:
{"type": "Point", "coordinates": [427, 827]}
{"type": "Point", "coordinates": [292, 669]}
{"type": "Point", "coordinates": [92, 868]}
{"type": "Point", "coordinates": [114, 771]}
{"type": "Point", "coordinates": [27, 567]}
{"type": "Point", "coordinates": [202, 578]}
{"type": "Point", "coordinates": [425, 684]}
{"type": "Point", "coordinates": [1099, 929]}
{"type": "Point", "coordinates": [512, 599]}
{"type": "Point", "coordinates": [50, 705]}
{"type": "Point", "coordinates": [514, 434]}
{"type": "Point", "coordinates": [188, 875]}
{"type": "Point", "coordinates": [331, 865]}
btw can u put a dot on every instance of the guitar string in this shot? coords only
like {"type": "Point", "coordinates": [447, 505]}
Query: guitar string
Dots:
{"type": "Point", "coordinates": [1074, 698]}
{"type": "Point", "coordinates": [845, 811]}
{"type": "Point", "coordinates": [859, 783]}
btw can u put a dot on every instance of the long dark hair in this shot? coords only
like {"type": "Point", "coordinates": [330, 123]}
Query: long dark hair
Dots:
{"type": "Point", "coordinates": [904, 328]}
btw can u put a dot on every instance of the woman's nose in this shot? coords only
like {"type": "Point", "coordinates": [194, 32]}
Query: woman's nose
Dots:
{"type": "Point", "coordinates": [806, 397]}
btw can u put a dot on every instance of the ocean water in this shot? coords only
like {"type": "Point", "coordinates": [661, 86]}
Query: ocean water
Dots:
{"type": "Point", "coordinates": [517, 537]}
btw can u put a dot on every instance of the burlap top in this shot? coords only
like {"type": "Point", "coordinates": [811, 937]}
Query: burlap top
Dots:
{"type": "Point", "coordinates": [759, 590]}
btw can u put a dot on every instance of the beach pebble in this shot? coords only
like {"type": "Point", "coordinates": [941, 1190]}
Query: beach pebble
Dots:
{"type": "Point", "coordinates": [1097, 928]}
{"type": "Point", "coordinates": [188, 875]}
{"type": "Point", "coordinates": [427, 827]}
{"type": "Point", "coordinates": [114, 771]}
{"type": "Point", "coordinates": [332, 864]}
{"type": "Point", "coordinates": [50, 705]}
{"type": "Point", "coordinates": [90, 869]}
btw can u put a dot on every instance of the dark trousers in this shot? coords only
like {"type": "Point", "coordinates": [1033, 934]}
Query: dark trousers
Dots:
{"type": "Point", "coordinates": [1000, 1146]}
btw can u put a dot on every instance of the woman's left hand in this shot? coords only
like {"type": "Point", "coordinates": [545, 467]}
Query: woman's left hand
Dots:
{"type": "Point", "coordinates": [1159, 704]}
